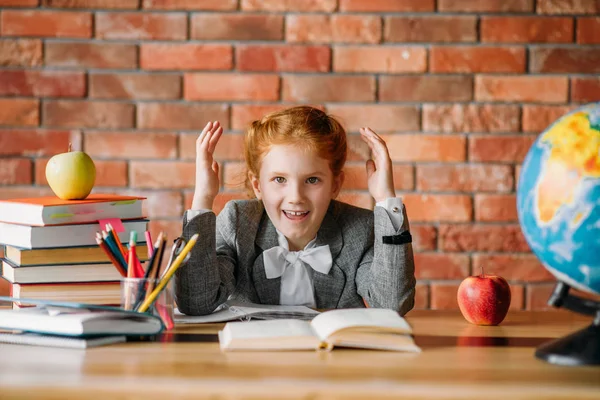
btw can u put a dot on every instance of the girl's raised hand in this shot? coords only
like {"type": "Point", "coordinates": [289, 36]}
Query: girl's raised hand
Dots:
{"type": "Point", "coordinates": [207, 169]}
{"type": "Point", "coordinates": [380, 177]}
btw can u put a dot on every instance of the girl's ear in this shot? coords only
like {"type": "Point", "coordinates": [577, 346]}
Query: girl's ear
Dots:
{"type": "Point", "coordinates": [255, 185]}
{"type": "Point", "coordinates": [338, 182]}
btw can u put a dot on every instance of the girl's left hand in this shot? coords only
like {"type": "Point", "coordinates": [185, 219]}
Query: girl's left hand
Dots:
{"type": "Point", "coordinates": [380, 177]}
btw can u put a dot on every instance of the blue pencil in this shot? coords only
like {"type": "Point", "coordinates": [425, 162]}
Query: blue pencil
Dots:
{"type": "Point", "coordinates": [114, 249]}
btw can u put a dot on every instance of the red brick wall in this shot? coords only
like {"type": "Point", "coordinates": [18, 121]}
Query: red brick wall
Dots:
{"type": "Point", "coordinates": [458, 88]}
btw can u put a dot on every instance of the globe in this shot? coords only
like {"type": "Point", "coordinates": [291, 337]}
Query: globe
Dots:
{"type": "Point", "coordinates": [558, 198]}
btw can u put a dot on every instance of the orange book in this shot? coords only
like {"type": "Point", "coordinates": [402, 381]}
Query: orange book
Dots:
{"type": "Point", "coordinates": [50, 210]}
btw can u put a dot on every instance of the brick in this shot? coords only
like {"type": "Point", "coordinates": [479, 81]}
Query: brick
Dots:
{"type": "Point", "coordinates": [492, 6]}
{"type": "Point", "coordinates": [288, 5]}
{"type": "Point", "coordinates": [283, 58]}
{"type": "Point", "coordinates": [470, 118]}
{"type": "Point", "coordinates": [161, 204]}
{"type": "Point", "coordinates": [19, 112]}
{"type": "Point", "coordinates": [108, 173]}
{"type": "Point", "coordinates": [328, 88]}
{"type": "Point", "coordinates": [226, 87]}
{"type": "Point", "coordinates": [421, 297]}
{"type": "Point", "coordinates": [425, 88]}
{"type": "Point", "coordinates": [387, 5]}
{"type": "Point", "coordinates": [537, 118]}
{"type": "Point", "coordinates": [568, 7]}
{"type": "Point", "coordinates": [512, 267]}
{"type": "Point", "coordinates": [19, 3]}
{"type": "Point", "coordinates": [517, 296]}
{"type": "Point", "coordinates": [130, 145]}
{"type": "Point", "coordinates": [230, 147]}
{"type": "Point", "coordinates": [438, 207]}
{"type": "Point", "coordinates": [464, 178]}
{"type": "Point", "coordinates": [243, 114]}
{"type": "Point", "coordinates": [42, 83]}
{"type": "Point", "coordinates": [379, 117]}
{"type": "Point", "coordinates": [88, 114]}
{"type": "Point", "coordinates": [419, 147]}
{"type": "Point", "coordinates": [141, 26]}
{"type": "Point", "coordinates": [110, 4]}
{"type": "Point", "coordinates": [477, 59]}
{"type": "Point", "coordinates": [186, 56]}
{"type": "Point", "coordinates": [441, 266]}
{"type": "Point", "coordinates": [588, 30]}
{"type": "Point", "coordinates": [355, 177]}
{"type": "Point", "coordinates": [162, 175]}
{"type": "Point", "coordinates": [19, 192]}
{"type": "Point", "coordinates": [430, 29]}
{"type": "Point", "coordinates": [529, 88]}
{"type": "Point", "coordinates": [383, 59]}
{"type": "Point", "coordinates": [20, 52]}
{"type": "Point", "coordinates": [526, 29]}
{"type": "Point", "coordinates": [443, 296]}
{"type": "Point", "coordinates": [234, 175]}
{"type": "Point", "coordinates": [184, 116]}
{"type": "Point", "coordinates": [362, 200]}
{"type": "Point", "coordinates": [227, 26]}
{"type": "Point", "coordinates": [506, 148]}
{"type": "Point", "coordinates": [469, 238]}
{"type": "Point", "coordinates": [496, 208]}
{"type": "Point", "coordinates": [135, 86]}
{"type": "Point", "coordinates": [403, 176]}
{"type": "Point", "coordinates": [169, 227]}
{"type": "Point", "coordinates": [38, 142]}
{"type": "Point", "coordinates": [68, 24]}
{"type": "Point", "coordinates": [566, 59]}
{"type": "Point", "coordinates": [91, 55]}
{"type": "Point", "coordinates": [585, 90]}
{"type": "Point", "coordinates": [424, 236]}
{"type": "Point", "coordinates": [315, 28]}
{"type": "Point", "coordinates": [15, 171]}
{"type": "Point", "coordinates": [206, 5]}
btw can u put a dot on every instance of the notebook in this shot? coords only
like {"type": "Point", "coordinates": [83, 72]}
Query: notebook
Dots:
{"type": "Point", "coordinates": [36, 339]}
{"type": "Point", "coordinates": [237, 310]}
{"type": "Point", "coordinates": [77, 319]}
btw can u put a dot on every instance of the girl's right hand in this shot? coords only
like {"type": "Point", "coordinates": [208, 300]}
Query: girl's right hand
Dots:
{"type": "Point", "coordinates": [207, 169]}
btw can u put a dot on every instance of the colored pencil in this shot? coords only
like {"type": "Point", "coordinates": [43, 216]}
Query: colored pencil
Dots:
{"type": "Point", "coordinates": [108, 239]}
{"type": "Point", "coordinates": [149, 243]}
{"type": "Point", "coordinates": [113, 233]}
{"type": "Point", "coordinates": [110, 256]}
{"type": "Point", "coordinates": [168, 275]}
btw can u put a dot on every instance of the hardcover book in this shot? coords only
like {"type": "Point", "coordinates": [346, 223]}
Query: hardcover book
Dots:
{"type": "Point", "coordinates": [51, 210]}
{"type": "Point", "coordinates": [59, 273]}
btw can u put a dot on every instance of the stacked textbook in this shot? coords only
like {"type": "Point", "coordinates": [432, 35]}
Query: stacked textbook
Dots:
{"type": "Point", "coordinates": [50, 247]}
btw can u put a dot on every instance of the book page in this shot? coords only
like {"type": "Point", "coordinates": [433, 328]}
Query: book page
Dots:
{"type": "Point", "coordinates": [282, 334]}
{"type": "Point", "coordinates": [332, 321]}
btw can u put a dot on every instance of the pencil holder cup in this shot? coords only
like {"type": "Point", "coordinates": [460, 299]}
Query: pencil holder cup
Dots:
{"type": "Point", "coordinates": [134, 291]}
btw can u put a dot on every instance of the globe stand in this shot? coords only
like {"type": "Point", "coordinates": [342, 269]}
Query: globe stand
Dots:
{"type": "Point", "coordinates": [581, 347]}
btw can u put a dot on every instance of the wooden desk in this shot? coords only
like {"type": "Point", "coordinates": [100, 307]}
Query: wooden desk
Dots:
{"type": "Point", "coordinates": [458, 361]}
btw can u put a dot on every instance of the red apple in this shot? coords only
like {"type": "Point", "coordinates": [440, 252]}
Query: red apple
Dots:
{"type": "Point", "coordinates": [484, 299]}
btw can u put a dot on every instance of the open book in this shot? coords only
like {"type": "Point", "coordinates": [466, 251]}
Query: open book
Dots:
{"type": "Point", "coordinates": [368, 328]}
{"type": "Point", "coordinates": [236, 310]}
{"type": "Point", "coordinates": [77, 319]}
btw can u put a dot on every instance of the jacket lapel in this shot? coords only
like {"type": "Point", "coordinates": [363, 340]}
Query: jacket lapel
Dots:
{"type": "Point", "coordinates": [328, 288]}
{"type": "Point", "coordinates": [269, 290]}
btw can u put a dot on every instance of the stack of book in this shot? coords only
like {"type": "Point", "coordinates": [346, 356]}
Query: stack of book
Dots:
{"type": "Point", "coordinates": [50, 248]}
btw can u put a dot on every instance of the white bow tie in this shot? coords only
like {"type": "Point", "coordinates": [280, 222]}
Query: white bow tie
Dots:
{"type": "Point", "coordinates": [276, 259]}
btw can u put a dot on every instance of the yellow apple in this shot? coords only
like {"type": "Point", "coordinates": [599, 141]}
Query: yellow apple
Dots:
{"type": "Point", "coordinates": [71, 175]}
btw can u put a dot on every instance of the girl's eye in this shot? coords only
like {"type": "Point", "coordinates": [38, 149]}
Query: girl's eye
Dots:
{"type": "Point", "coordinates": [312, 180]}
{"type": "Point", "coordinates": [279, 179]}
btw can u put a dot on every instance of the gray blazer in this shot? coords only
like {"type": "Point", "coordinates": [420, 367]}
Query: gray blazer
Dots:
{"type": "Point", "coordinates": [228, 263]}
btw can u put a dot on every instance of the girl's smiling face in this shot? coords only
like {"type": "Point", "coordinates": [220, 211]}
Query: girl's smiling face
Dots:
{"type": "Point", "coordinates": [296, 187]}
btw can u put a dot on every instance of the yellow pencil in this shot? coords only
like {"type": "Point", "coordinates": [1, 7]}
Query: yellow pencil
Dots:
{"type": "Point", "coordinates": [163, 282]}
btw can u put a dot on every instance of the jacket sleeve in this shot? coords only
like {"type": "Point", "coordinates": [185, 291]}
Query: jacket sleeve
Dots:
{"type": "Point", "coordinates": [386, 274]}
{"type": "Point", "coordinates": [208, 278]}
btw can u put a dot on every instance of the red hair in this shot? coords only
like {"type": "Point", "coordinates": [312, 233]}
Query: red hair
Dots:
{"type": "Point", "coordinates": [303, 126]}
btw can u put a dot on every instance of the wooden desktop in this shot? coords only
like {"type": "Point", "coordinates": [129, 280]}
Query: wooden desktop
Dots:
{"type": "Point", "coordinates": [459, 361]}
